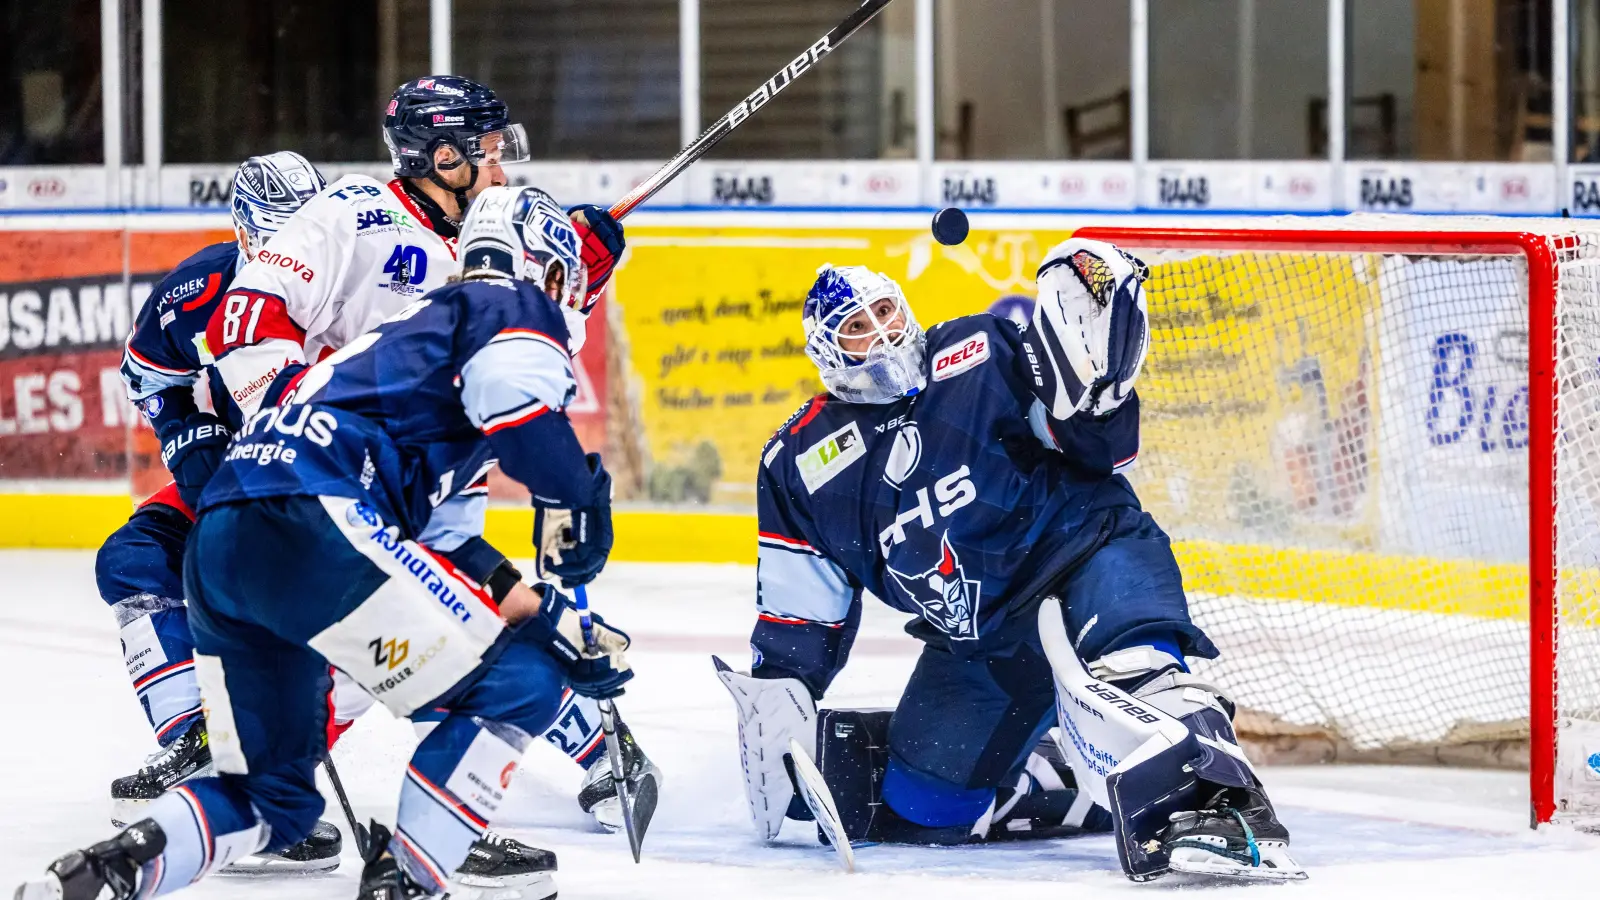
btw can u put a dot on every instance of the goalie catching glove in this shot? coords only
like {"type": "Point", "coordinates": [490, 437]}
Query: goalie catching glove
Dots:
{"type": "Point", "coordinates": [1091, 319]}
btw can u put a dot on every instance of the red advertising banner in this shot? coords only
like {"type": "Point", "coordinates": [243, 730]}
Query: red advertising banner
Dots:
{"type": "Point", "coordinates": [67, 300]}
{"type": "Point", "coordinates": [66, 306]}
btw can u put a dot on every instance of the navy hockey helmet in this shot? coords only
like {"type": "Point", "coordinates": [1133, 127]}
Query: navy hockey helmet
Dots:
{"type": "Point", "coordinates": [266, 192]}
{"type": "Point", "coordinates": [452, 111]}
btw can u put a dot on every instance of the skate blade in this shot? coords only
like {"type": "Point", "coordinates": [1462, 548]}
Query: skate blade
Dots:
{"type": "Point", "coordinates": [1276, 864]}
{"type": "Point", "coordinates": [46, 888]}
{"type": "Point", "coordinates": [124, 812]}
{"type": "Point", "coordinates": [262, 866]}
{"type": "Point", "coordinates": [535, 886]}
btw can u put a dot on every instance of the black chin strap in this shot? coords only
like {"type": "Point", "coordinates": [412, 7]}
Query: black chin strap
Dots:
{"type": "Point", "coordinates": [461, 192]}
{"type": "Point", "coordinates": [442, 225]}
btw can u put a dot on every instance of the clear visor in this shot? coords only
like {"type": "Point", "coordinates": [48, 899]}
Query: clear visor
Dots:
{"type": "Point", "coordinates": [567, 286]}
{"type": "Point", "coordinates": [508, 145]}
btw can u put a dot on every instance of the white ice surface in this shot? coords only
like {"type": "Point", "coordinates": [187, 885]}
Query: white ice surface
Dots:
{"type": "Point", "coordinates": [1362, 831]}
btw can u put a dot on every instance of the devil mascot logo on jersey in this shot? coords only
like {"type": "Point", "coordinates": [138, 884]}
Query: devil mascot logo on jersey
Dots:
{"type": "Point", "coordinates": [947, 598]}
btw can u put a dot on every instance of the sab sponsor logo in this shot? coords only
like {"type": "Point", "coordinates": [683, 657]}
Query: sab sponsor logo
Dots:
{"type": "Point", "coordinates": [755, 190]}
{"type": "Point", "coordinates": [966, 355]}
{"type": "Point", "coordinates": [1386, 193]}
{"type": "Point", "coordinates": [374, 218]}
{"type": "Point", "coordinates": [283, 261]}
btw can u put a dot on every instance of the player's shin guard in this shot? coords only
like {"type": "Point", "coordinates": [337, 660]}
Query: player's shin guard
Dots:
{"type": "Point", "coordinates": [208, 824]}
{"type": "Point", "coordinates": [456, 782]}
{"type": "Point", "coordinates": [159, 653]}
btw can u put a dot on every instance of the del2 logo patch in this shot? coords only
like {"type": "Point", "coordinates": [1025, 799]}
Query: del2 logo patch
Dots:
{"type": "Point", "coordinates": [960, 357]}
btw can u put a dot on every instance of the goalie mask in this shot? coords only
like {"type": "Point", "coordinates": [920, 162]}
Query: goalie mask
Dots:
{"type": "Point", "coordinates": [521, 233]}
{"type": "Point", "coordinates": [863, 337]}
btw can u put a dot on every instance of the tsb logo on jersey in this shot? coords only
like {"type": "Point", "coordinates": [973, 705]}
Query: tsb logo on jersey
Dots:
{"type": "Point", "coordinates": [952, 361]}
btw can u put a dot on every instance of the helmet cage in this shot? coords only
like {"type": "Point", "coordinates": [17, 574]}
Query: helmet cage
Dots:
{"type": "Point", "coordinates": [891, 365]}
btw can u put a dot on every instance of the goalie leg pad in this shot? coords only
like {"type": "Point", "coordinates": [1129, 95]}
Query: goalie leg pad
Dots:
{"type": "Point", "coordinates": [771, 712]}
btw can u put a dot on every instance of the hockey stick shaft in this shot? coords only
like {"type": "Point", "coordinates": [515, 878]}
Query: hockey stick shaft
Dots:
{"type": "Point", "coordinates": [608, 727]}
{"type": "Point", "coordinates": [746, 107]}
{"type": "Point", "coordinates": [356, 830]}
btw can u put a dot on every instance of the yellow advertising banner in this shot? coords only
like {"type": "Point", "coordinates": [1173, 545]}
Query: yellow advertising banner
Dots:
{"type": "Point", "coordinates": [712, 322]}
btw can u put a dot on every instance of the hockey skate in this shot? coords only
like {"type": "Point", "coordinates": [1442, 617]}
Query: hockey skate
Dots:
{"type": "Point", "coordinates": [382, 878]}
{"type": "Point", "coordinates": [500, 868]}
{"type": "Point", "coordinates": [1236, 834]}
{"type": "Point", "coordinates": [187, 757]}
{"type": "Point", "coordinates": [190, 757]}
{"type": "Point", "coordinates": [112, 866]}
{"type": "Point", "coordinates": [598, 796]}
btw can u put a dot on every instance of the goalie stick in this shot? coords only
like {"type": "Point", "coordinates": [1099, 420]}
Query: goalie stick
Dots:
{"type": "Point", "coordinates": [636, 811]}
{"type": "Point", "coordinates": [746, 107]}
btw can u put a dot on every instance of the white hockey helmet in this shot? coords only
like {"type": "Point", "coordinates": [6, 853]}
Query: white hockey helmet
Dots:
{"type": "Point", "coordinates": [521, 233]}
{"type": "Point", "coordinates": [267, 190]}
{"type": "Point", "coordinates": [862, 336]}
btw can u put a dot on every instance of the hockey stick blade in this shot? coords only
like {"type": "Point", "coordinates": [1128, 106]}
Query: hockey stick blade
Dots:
{"type": "Point", "coordinates": [608, 725]}
{"type": "Point", "coordinates": [758, 98]}
{"type": "Point", "coordinates": [814, 791]}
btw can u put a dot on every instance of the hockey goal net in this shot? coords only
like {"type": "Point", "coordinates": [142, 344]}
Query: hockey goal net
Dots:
{"type": "Point", "coordinates": [1377, 450]}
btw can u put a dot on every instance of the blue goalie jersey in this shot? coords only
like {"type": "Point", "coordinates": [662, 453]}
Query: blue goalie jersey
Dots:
{"type": "Point", "coordinates": [416, 411]}
{"type": "Point", "coordinates": [961, 504]}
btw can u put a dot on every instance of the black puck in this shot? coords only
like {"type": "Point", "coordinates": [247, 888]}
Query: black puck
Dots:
{"type": "Point", "coordinates": [950, 226]}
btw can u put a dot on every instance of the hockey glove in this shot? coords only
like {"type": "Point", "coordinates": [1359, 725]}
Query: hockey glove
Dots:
{"type": "Point", "coordinates": [600, 673]}
{"type": "Point", "coordinates": [572, 544]}
{"type": "Point", "coordinates": [1091, 323]}
{"type": "Point", "coordinates": [603, 244]}
{"type": "Point", "coordinates": [192, 451]}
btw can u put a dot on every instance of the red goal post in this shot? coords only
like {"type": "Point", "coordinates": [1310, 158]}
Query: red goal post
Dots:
{"type": "Point", "coordinates": [1336, 439]}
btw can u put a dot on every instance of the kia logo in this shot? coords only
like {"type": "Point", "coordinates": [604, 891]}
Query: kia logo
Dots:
{"type": "Point", "coordinates": [882, 183]}
{"type": "Point", "coordinates": [1072, 186]}
{"type": "Point", "coordinates": [1514, 187]}
{"type": "Point", "coordinates": [1114, 185]}
{"type": "Point", "coordinates": [44, 188]}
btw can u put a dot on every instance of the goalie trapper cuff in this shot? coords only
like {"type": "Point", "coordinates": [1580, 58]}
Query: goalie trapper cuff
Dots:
{"type": "Point", "coordinates": [480, 561]}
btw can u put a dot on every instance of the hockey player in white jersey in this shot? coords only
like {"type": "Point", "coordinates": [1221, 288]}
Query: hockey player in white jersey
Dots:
{"type": "Point", "coordinates": [362, 250]}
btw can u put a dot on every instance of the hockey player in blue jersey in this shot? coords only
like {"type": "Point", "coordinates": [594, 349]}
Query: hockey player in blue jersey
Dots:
{"type": "Point", "coordinates": [970, 475]}
{"type": "Point", "coordinates": [305, 554]}
{"type": "Point", "coordinates": [139, 569]}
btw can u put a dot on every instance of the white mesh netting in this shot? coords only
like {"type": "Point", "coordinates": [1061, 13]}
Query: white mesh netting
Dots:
{"type": "Point", "coordinates": [1338, 443]}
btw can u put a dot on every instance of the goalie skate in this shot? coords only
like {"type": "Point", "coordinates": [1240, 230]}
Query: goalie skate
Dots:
{"type": "Point", "coordinates": [1224, 841]}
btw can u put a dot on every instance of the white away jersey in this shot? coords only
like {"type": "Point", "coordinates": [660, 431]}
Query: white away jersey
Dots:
{"type": "Point", "coordinates": [354, 255]}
